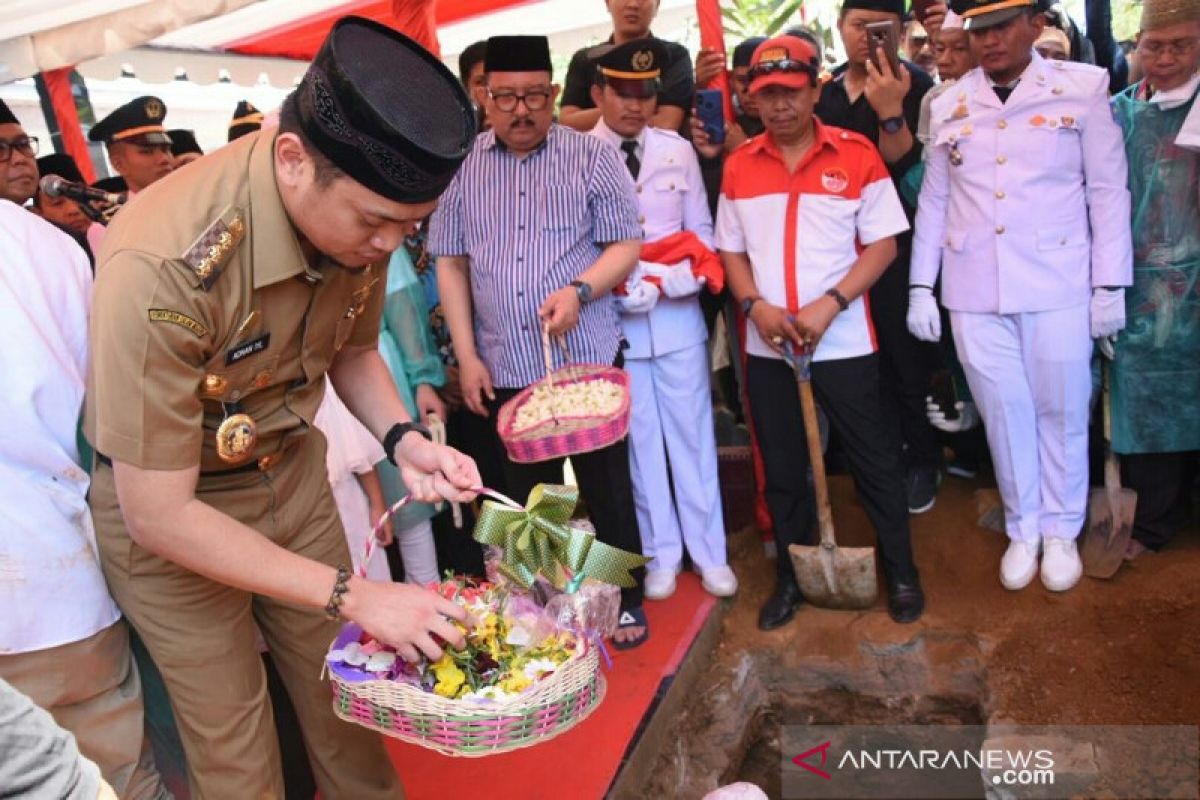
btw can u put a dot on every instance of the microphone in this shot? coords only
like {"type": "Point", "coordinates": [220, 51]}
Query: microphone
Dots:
{"type": "Point", "coordinates": [58, 186]}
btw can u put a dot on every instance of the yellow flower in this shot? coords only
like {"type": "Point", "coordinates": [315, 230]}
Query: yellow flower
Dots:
{"type": "Point", "coordinates": [515, 684]}
{"type": "Point", "coordinates": [449, 677]}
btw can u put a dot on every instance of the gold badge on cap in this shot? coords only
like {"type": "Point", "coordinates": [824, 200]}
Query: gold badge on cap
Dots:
{"type": "Point", "coordinates": [642, 60]}
{"type": "Point", "coordinates": [154, 108]}
{"type": "Point", "coordinates": [236, 437]}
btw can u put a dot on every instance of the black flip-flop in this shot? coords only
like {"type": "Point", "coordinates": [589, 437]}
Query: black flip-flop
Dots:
{"type": "Point", "coordinates": [632, 618]}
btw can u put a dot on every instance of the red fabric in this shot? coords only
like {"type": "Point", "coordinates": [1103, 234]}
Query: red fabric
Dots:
{"type": "Point", "coordinates": [58, 86]}
{"type": "Point", "coordinates": [712, 37]}
{"type": "Point", "coordinates": [762, 513]}
{"type": "Point", "coordinates": [686, 244]}
{"type": "Point", "coordinates": [300, 39]}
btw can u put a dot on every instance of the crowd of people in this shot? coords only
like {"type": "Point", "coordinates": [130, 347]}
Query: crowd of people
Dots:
{"type": "Point", "coordinates": [961, 240]}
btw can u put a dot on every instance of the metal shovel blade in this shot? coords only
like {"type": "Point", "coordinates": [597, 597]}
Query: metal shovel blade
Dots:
{"type": "Point", "coordinates": [836, 577]}
{"type": "Point", "coordinates": [1109, 528]}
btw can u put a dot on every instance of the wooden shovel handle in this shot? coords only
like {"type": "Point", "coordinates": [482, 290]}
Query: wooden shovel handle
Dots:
{"type": "Point", "coordinates": [812, 432]}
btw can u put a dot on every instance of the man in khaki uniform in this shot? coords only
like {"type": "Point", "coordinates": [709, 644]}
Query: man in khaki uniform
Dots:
{"type": "Point", "coordinates": [219, 307]}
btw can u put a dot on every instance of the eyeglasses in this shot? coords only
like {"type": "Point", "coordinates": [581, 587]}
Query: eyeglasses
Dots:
{"type": "Point", "coordinates": [25, 145]}
{"type": "Point", "coordinates": [785, 65]}
{"type": "Point", "coordinates": [534, 100]}
{"type": "Point", "coordinates": [1178, 47]}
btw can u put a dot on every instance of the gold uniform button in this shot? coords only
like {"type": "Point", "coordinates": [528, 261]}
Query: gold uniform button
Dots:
{"type": "Point", "coordinates": [639, 190]}
{"type": "Point", "coordinates": [1001, 159]}
{"type": "Point", "coordinates": [1000, 195]}
{"type": "Point", "coordinates": [999, 229]}
{"type": "Point", "coordinates": [642, 219]}
{"type": "Point", "coordinates": [1002, 124]}
{"type": "Point", "coordinates": [214, 384]}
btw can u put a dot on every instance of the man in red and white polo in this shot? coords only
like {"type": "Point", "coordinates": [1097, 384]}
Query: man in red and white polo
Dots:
{"type": "Point", "coordinates": [806, 224]}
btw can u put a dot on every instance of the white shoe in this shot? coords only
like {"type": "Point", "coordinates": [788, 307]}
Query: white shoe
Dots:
{"type": "Point", "coordinates": [719, 581]}
{"type": "Point", "coordinates": [660, 583]}
{"type": "Point", "coordinates": [1061, 567]}
{"type": "Point", "coordinates": [1019, 565]}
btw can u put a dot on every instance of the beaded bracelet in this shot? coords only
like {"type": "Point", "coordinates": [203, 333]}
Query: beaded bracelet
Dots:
{"type": "Point", "coordinates": [333, 609]}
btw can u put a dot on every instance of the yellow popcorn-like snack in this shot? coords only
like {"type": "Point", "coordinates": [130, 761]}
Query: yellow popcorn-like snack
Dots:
{"type": "Point", "coordinates": [598, 398]}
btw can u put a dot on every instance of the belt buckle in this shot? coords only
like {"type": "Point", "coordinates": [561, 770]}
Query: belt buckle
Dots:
{"type": "Point", "coordinates": [269, 462]}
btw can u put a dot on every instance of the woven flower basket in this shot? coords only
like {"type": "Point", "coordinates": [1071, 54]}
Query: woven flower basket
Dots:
{"type": "Point", "coordinates": [551, 706]}
{"type": "Point", "coordinates": [566, 434]}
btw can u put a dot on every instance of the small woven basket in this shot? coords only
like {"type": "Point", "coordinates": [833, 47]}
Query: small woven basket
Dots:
{"type": "Point", "coordinates": [565, 434]}
{"type": "Point", "coordinates": [552, 706]}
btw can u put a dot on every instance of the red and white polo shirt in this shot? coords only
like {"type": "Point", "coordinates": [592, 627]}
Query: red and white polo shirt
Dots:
{"type": "Point", "coordinates": [803, 231]}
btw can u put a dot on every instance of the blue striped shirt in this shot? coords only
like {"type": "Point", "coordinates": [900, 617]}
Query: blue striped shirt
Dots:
{"type": "Point", "coordinates": [531, 226]}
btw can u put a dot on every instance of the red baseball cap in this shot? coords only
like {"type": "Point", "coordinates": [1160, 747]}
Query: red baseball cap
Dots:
{"type": "Point", "coordinates": [787, 61]}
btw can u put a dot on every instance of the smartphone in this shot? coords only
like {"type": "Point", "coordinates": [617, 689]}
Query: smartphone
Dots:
{"type": "Point", "coordinates": [885, 35]}
{"type": "Point", "coordinates": [710, 109]}
{"type": "Point", "coordinates": [941, 389]}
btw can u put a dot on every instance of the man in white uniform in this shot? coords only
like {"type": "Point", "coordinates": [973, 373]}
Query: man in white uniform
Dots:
{"type": "Point", "coordinates": [672, 450]}
{"type": "Point", "coordinates": [62, 640]}
{"type": "Point", "coordinates": [1025, 205]}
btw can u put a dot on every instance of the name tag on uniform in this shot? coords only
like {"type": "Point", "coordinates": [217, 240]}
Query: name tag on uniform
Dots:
{"type": "Point", "coordinates": [247, 349]}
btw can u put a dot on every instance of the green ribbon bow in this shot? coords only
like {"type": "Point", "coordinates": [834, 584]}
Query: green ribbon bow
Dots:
{"type": "Point", "coordinates": [538, 539]}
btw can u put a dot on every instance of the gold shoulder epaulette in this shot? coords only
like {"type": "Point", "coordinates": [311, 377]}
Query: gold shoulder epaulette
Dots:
{"type": "Point", "coordinates": [209, 254]}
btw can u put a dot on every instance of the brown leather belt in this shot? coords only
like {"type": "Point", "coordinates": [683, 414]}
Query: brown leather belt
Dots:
{"type": "Point", "coordinates": [261, 465]}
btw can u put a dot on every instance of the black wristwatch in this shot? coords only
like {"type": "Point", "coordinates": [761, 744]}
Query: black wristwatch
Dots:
{"type": "Point", "coordinates": [891, 124]}
{"type": "Point", "coordinates": [840, 298]}
{"type": "Point", "coordinates": [397, 432]}
{"type": "Point", "coordinates": [583, 290]}
{"type": "Point", "coordinates": [747, 304]}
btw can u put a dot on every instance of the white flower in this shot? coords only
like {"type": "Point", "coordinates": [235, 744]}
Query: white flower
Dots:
{"type": "Point", "coordinates": [381, 661]}
{"type": "Point", "coordinates": [535, 669]}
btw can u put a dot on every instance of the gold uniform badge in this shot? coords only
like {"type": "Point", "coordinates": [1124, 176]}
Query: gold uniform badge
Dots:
{"type": "Point", "coordinates": [236, 437]}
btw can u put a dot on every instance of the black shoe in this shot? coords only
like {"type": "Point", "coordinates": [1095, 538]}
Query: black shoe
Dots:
{"type": "Point", "coordinates": [922, 488]}
{"type": "Point", "coordinates": [781, 607]}
{"type": "Point", "coordinates": [906, 601]}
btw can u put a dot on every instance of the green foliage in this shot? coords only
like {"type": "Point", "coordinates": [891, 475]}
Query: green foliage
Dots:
{"type": "Point", "coordinates": [746, 18]}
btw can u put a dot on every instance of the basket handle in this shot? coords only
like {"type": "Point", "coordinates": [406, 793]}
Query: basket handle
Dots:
{"type": "Point", "coordinates": [546, 353]}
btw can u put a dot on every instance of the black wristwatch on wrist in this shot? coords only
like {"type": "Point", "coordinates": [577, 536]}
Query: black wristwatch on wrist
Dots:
{"type": "Point", "coordinates": [747, 304]}
{"type": "Point", "coordinates": [583, 290]}
{"type": "Point", "coordinates": [397, 432]}
{"type": "Point", "coordinates": [891, 124]}
{"type": "Point", "coordinates": [840, 298]}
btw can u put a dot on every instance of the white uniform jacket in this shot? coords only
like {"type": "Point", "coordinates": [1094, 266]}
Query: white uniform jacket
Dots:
{"type": "Point", "coordinates": [671, 198]}
{"type": "Point", "coordinates": [1025, 204]}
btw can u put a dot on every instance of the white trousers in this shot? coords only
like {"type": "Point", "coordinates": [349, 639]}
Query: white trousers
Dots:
{"type": "Point", "coordinates": [671, 419]}
{"type": "Point", "coordinates": [1030, 375]}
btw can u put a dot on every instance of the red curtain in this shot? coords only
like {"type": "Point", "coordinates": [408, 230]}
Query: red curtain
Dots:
{"type": "Point", "coordinates": [58, 86]}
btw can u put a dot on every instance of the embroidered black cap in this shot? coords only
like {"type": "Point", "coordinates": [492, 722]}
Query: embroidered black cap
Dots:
{"type": "Point", "coordinates": [633, 69]}
{"type": "Point", "coordinates": [401, 137]}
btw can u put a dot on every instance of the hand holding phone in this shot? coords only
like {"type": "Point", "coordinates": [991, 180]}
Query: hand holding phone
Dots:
{"type": "Point", "coordinates": [710, 110]}
{"type": "Point", "coordinates": [884, 36]}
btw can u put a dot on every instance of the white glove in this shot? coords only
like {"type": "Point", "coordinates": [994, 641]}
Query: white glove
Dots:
{"type": "Point", "coordinates": [924, 319]}
{"type": "Point", "coordinates": [678, 281]}
{"type": "Point", "coordinates": [1107, 312]}
{"type": "Point", "coordinates": [640, 297]}
{"type": "Point", "coordinates": [968, 416]}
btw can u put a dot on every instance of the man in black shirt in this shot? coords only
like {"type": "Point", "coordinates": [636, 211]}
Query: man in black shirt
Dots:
{"type": "Point", "coordinates": [885, 108]}
{"type": "Point", "coordinates": [631, 20]}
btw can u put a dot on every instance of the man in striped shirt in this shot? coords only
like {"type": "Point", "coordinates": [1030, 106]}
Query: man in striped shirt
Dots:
{"type": "Point", "coordinates": [535, 230]}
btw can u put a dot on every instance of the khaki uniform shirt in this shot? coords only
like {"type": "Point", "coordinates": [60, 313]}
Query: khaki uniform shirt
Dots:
{"type": "Point", "coordinates": [205, 307]}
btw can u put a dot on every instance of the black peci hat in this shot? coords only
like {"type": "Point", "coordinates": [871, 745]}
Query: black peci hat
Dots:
{"type": "Point", "coordinates": [7, 117]}
{"type": "Point", "coordinates": [887, 6]}
{"type": "Point", "coordinates": [403, 139]}
{"type": "Point", "coordinates": [60, 164]}
{"type": "Point", "coordinates": [139, 121]}
{"type": "Point", "coordinates": [517, 54]}
{"type": "Point", "coordinates": [184, 141]}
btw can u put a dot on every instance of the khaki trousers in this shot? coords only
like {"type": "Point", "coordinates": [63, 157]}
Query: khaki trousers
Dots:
{"type": "Point", "coordinates": [91, 688]}
{"type": "Point", "coordinates": [201, 634]}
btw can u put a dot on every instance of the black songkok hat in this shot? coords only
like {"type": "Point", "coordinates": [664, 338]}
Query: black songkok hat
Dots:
{"type": "Point", "coordinates": [889, 6]}
{"type": "Point", "coordinates": [60, 164]}
{"type": "Point", "coordinates": [139, 121]}
{"type": "Point", "coordinates": [246, 119]}
{"type": "Point", "coordinates": [6, 115]}
{"type": "Point", "coordinates": [184, 141]}
{"type": "Point", "coordinates": [114, 184]}
{"type": "Point", "coordinates": [518, 54]}
{"type": "Point", "coordinates": [401, 138]}
{"type": "Point", "coordinates": [744, 51]}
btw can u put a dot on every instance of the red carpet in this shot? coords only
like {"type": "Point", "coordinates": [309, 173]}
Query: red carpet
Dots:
{"type": "Point", "coordinates": [582, 762]}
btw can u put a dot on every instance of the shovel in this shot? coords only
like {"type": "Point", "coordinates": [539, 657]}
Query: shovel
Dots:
{"type": "Point", "coordinates": [829, 576]}
{"type": "Point", "coordinates": [1110, 509]}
